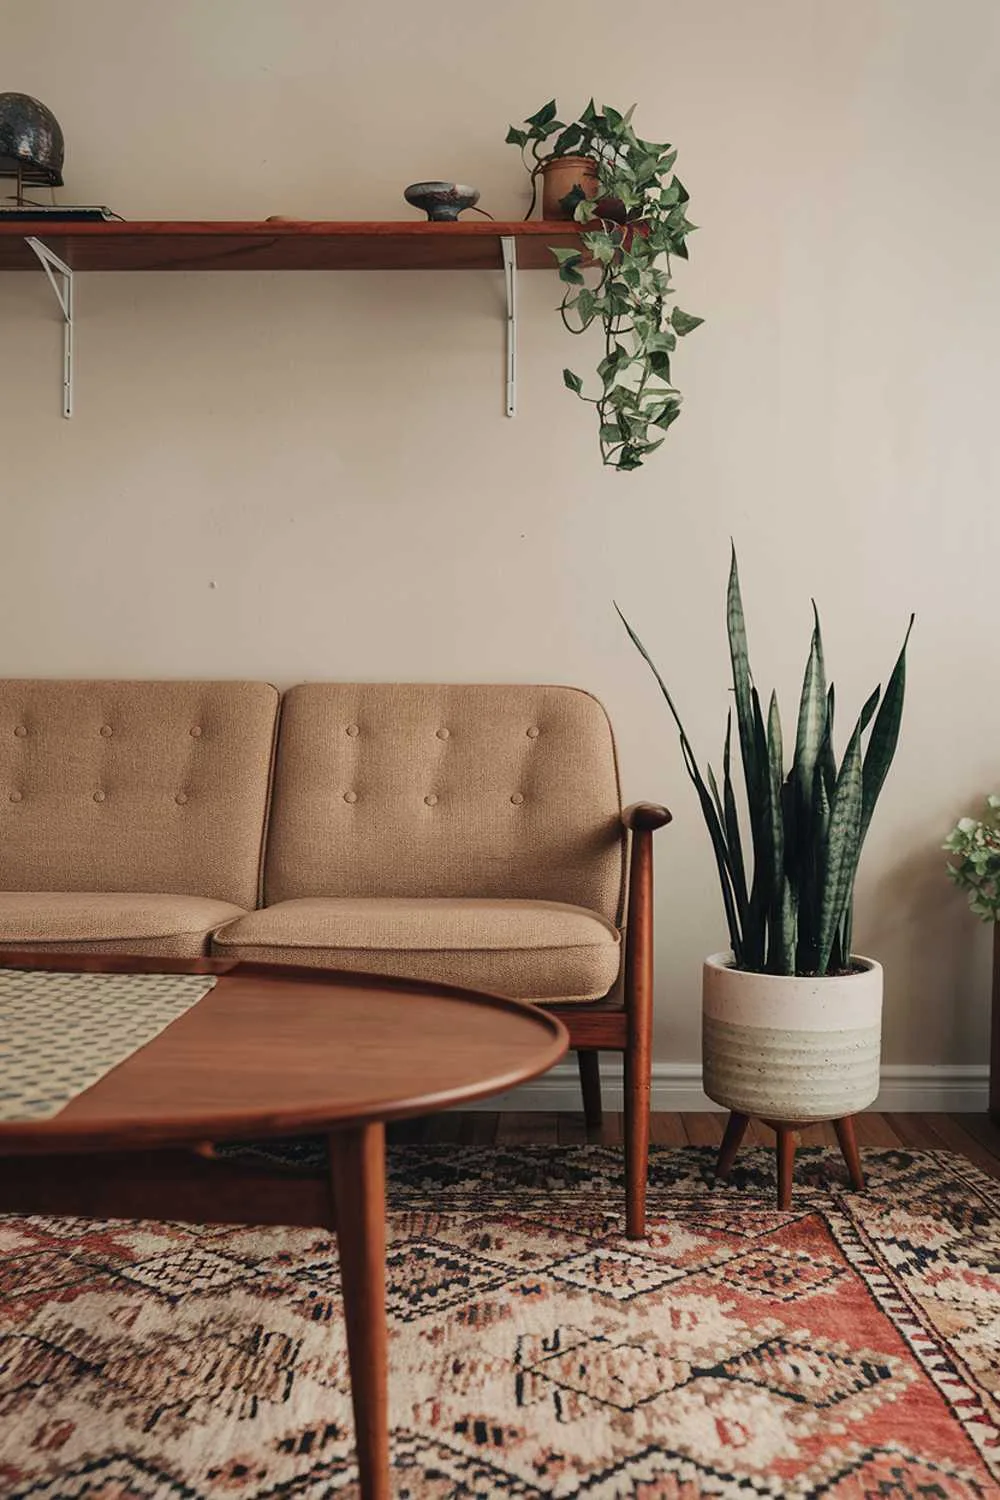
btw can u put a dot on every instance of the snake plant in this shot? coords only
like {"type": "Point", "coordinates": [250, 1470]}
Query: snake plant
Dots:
{"type": "Point", "coordinates": [789, 905]}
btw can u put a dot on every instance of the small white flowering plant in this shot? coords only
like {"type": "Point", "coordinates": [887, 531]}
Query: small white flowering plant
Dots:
{"type": "Point", "coordinates": [976, 868]}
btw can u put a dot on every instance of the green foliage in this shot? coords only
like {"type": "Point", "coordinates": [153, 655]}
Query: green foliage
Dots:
{"type": "Point", "coordinates": [977, 868]}
{"type": "Point", "coordinates": [807, 829]}
{"type": "Point", "coordinates": [639, 211]}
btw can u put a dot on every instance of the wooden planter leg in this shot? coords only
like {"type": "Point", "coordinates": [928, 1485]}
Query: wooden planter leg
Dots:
{"type": "Point", "coordinates": [736, 1129]}
{"type": "Point", "coordinates": [590, 1083]}
{"type": "Point", "coordinates": [786, 1164]}
{"type": "Point", "coordinates": [849, 1148]}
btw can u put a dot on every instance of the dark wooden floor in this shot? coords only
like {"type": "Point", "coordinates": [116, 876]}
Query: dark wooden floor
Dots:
{"type": "Point", "coordinates": [972, 1135]}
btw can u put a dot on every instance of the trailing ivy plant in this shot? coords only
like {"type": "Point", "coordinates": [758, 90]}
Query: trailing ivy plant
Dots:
{"type": "Point", "coordinates": [977, 868]}
{"type": "Point", "coordinates": [637, 220]}
{"type": "Point", "coordinates": [789, 906]}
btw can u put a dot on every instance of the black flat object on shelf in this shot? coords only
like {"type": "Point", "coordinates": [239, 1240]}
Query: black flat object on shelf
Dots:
{"type": "Point", "coordinates": [56, 213]}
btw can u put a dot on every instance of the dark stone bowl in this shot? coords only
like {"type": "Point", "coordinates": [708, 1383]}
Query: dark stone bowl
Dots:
{"type": "Point", "coordinates": [441, 201]}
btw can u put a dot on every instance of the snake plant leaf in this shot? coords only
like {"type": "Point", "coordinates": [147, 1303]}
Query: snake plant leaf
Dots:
{"type": "Point", "coordinates": [870, 705]}
{"type": "Point", "coordinates": [714, 789]}
{"type": "Point", "coordinates": [788, 930]}
{"type": "Point", "coordinates": [776, 833]}
{"type": "Point", "coordinates": [740, 659]}
{"type": "Point", "coordinates": [758, 910]}
{"type": "Point", "coordinates": [884, 737]}
{"type": "Point", "coordinates": [704, 797]}
{"type": "Point", "coordinates": [810, 879]}
{"type": "Point", "coordinates": [734, 838]}
{"type": "Point", "coordinates": [812, 714]}
{"type": "Point", "coordinates": [828, 761]}
{"type": "Point", "coordinates": [841, 847]}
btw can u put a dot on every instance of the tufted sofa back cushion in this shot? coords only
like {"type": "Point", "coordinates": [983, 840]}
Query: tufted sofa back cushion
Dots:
{"type": "Point", "coordinates": [423, 790]}
{"type": "Point", "coordinates": [135, 786]}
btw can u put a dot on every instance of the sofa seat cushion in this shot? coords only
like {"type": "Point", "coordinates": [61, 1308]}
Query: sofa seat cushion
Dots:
{"type": "Point", "coordinates": [530, 950]}
{"type": "Point", "coordinates": [111, 922]}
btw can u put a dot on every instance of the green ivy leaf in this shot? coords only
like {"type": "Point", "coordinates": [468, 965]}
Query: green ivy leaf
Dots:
{"type": "Point", "coordinates": [516, 137]}
{"type": "Point", "coordinates": [572, 382]}
{"type": "Point", "coordinates": [565, 143]}
{"type": "Point", "coordinates": [586, 304]}
{"type": "Point", "coordinates": [601, 246]}
{"type": "Point", "coordinates": [544, 116]}
{"type": "Point", "coordinates": [683, 322]}
{"type": "Point", "coordinates": [610, 432]}
{"type": "Point", "coordinates": [671, 411]}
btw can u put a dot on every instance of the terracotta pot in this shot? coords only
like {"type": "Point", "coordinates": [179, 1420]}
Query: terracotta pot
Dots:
{"type": "Point", "coordinates": [560, 175]}
{"type": "Point", "coordinates": [791, 1048]}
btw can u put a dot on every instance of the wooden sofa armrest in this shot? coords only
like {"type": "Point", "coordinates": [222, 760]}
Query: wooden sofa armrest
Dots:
{"type": "Point", "coordinates": [646, 817]}
{"type": "Point", "coordinates": [641, 819]}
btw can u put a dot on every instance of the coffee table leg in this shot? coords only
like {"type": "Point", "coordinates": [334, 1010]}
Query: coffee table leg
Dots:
{"type": "Point", "coordinates": [357, 1170]}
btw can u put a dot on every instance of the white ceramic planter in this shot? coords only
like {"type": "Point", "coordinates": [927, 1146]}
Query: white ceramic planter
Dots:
{"type": "Point", "coordinates": [790, 1048]}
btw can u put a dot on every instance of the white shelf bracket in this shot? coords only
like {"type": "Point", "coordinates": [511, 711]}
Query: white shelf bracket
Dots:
{"type": "Point", "coordinates": [508, 248]}
{"type": "Point", "coordinates": [63, 288]}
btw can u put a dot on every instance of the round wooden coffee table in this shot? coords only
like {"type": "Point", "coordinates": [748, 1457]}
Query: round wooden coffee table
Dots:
{"type": "Point", "coordinates": [274, 1050]}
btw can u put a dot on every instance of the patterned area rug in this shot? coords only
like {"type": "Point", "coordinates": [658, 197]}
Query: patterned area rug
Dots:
{"type": "Point", "coordinates": [849, 1348]}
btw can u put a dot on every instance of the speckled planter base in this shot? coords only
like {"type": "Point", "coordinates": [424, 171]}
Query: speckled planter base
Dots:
{"type": "Point", "coordinates": [792, 1049]}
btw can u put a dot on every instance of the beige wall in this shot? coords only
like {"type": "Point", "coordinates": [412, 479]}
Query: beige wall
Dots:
{"type": "Point", "coordinates": [298, 476]}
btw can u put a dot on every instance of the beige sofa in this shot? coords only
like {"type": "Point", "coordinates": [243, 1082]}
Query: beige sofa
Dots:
{"type": "Point", "coordinates": [471, 834]}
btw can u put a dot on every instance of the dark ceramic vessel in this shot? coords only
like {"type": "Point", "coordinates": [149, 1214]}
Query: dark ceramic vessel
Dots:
{"type": "Point", "coordinates": [441, 201]}
{"type": "Point", "coordinates": [31, 141]}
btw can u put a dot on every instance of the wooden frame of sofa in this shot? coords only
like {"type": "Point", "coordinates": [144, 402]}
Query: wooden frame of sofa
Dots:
{"type": "Point", "coordinates": [626, 1028]}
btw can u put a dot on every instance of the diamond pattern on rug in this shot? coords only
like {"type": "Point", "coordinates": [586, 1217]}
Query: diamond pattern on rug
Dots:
{"type": "Point", "coordinates": [849, 1348]}
{"type": "Point", "coordinates": [779, 1275]}
{"type": "Point", "coordinates": [60, 1033]}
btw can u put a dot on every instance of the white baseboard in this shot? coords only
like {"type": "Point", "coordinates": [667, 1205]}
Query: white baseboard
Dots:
{"type": "Point", "coordinates": [677, 1086]}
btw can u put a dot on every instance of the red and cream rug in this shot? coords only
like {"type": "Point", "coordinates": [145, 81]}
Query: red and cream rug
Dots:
{"type": "Point", "coordinates": [849, 1348]}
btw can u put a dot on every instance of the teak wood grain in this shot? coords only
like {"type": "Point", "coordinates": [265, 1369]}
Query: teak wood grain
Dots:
{"type": "Point", "coordinates": [295, 245]}
{"type": "Point", "coordinates": [275, 1050]}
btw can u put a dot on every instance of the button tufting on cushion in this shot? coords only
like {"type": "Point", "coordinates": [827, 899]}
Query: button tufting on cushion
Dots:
{"type": "Point", "coordinates": [132, 741]}
{"type": "Point", "coordinates": [99, 796]}
{"type": "Point", "coordinates": [562, 843]}
{"type": "Point", "coordinates": [443, 734]}
{"type": "Point", "coordinates": [352, 730]}
{"type": "Point", "coordinates": [181, 798]}
{"type": "Point", "coordinates": [517, 798]}
{"type": "Point", "coordinates": [15, 796]}
{"type": "Point", "coordinates": [350, 796]}
{"type": "Point", "coordinates": [196, 731]}
{"type": "Point", "coordinates": [431, 799]}
{"type": "Point", "coordinates": [534, 732]}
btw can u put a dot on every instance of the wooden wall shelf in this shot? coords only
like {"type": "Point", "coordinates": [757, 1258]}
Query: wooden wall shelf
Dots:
{"type": "Point", "coordinates": [290, 245]}
{"type": "Point", "coordinates": [293, 246]}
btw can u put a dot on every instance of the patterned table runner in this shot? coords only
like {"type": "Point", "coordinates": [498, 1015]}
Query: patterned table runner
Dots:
{"type": "Point", "coordinates": [60, 1033]}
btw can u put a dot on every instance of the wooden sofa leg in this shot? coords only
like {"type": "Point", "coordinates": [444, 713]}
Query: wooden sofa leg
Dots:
{"type": "Point", "coordinates": [590, 1084]}
{"type": "Point", "coordinates": [637, 1080]}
